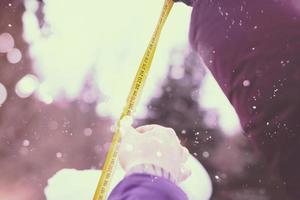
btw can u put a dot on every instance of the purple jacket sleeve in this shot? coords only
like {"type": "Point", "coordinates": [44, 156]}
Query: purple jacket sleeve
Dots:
{"type": "Point", "coordinates": [252, 48]}
{"type": "Point", "coordinates": [146, 187]}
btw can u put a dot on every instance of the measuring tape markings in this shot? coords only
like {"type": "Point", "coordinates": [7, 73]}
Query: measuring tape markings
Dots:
{"type": "Point", "coordinates": [135, 93]}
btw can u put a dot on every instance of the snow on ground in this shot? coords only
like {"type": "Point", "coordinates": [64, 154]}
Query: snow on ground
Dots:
{"type": "Point", "coordinates": [80, 185]}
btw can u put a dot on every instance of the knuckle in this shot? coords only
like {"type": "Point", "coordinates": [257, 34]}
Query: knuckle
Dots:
{"type": "Point", "coordinates": [171, 131]}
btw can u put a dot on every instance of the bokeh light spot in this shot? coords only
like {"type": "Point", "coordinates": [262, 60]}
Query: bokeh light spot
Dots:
{"type": "Point", "coordinates": [7, 42]}
{"type": "Point", "coordinates": [26, 86]}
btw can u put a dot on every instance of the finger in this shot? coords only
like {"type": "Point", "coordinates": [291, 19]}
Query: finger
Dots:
{"type": "Point", "coordinates": [146, 128]}
{"type": "Point", "coordinates": [184, 174]}
{"type": "Point", "coordinates": [184, 154]}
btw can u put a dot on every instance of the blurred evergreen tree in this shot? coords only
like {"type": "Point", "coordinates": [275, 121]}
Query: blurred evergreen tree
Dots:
{"type": "Point", "coordinates": [177, 106]}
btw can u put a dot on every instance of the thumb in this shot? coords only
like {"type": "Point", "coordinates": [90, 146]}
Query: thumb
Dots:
{"type": "Point", "coordinates": [128, 131]}
{"type": "Point", "coordinates": [126, 126]}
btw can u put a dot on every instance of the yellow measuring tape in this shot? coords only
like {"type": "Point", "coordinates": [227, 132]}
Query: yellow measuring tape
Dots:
{"type": "Point", "coordinates": [132, 100]}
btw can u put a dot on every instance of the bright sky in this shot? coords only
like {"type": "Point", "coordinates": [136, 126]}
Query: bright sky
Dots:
{"type": "Point", "coordinates": [109, 37]}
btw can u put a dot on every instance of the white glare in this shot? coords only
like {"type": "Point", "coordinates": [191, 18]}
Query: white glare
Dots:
{"type": "Point", "coordinates": [103, 109]}
{"type": "Point", "coordinates": [26, 86]}
{"type": "Point", "coordinates": [109, 37]}
{"type": "Point", "coordinates": [3, 94]}
{"type": "Point", "coordinates": [214, 99]}
{"type": "Point", "coordinates": [7, 42]}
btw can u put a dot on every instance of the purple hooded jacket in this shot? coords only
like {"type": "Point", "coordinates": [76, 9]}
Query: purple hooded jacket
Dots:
{"type": "Point", "coordinates": [257, 42]}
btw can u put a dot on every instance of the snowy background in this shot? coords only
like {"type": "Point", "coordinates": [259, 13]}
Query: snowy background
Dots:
{"type": "Point", "coordinates": [65, 71]}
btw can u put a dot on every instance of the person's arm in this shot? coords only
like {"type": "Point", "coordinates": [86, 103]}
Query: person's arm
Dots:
{"type": "Point", "coordinates": [154, 163]}
{"type": "Point", "coordinates": [252, 48]}
{"type": "Point", "coordinates": [147, 187]}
